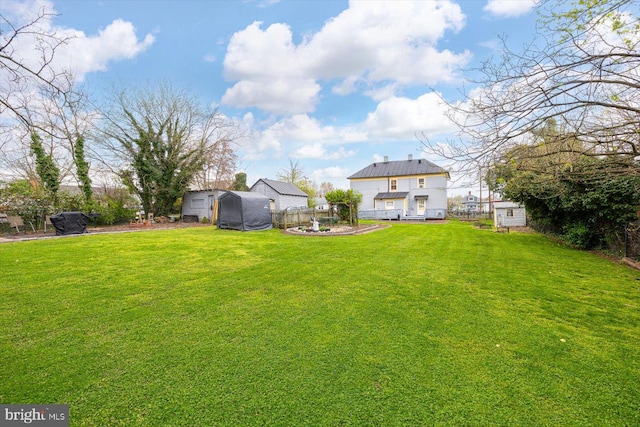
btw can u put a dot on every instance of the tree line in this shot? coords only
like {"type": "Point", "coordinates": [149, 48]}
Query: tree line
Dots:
{"type": "Point", "coordinates": [156, 140]}
{"type": "Point", "coordinates": [556, 125]}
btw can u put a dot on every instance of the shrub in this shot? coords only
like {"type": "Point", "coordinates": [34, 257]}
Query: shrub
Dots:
{"type": "Point", "coordinates": [579, 235]}
{"type": "Point", "coordinates": [114, 206]}
{"type": "Point", "coordinates": [29, 202]}
{"type": "Point", "coordinates": [68, 202]}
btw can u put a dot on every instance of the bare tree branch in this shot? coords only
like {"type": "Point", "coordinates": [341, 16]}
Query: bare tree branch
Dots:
{"type": "Point", "coordinates": [582, 70]}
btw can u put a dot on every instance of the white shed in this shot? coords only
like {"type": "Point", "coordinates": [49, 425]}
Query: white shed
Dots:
{"type": "Point", "coordinates": [509, 214]}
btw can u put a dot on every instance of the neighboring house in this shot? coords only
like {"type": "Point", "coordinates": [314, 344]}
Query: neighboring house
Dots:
{"type": "Point", "coordinates": [321, 203]}
{"type": "Point", "coordinates": [509, 214]}
{"type": "Point", "coordinates": [281, 194]}
{"type": "Point", "coordinates": [471, 202]}
{"type": "Point", "coordinates": [405, 189]}
{"type": "Point", "coordinates": [201, 203]}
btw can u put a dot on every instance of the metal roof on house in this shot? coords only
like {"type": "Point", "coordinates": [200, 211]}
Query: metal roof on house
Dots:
{"type": "Point", "coordinates": [283, 188]}
{"type": "Point", "coordinates": [392, 195]}
{"type": "Point", "coordinates": [399, 168]}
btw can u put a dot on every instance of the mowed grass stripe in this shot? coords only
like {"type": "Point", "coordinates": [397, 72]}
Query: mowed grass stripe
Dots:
{"type": "Point", "coordinates": [415, 324]}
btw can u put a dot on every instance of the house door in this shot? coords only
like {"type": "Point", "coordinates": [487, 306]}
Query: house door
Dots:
{"type": "Point", "coordinates": [421, 205]}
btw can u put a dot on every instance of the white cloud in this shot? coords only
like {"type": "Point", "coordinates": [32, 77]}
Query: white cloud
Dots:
{"type": "Point", "coordinates": [209, 58]}
{"type": "Point", "coordinates": [510, 8]}
{"type": "Point", "coordinates": [402, 118]}
{"type": "Point", "coordinates": [299, 136]}
{"type": "Point", "coordinates": [369, 44]}
{"type": "Point", "coordinates": [116, 41]}
{"type": "Point", "coordinates": [319, 151]}
{"type": "Point", "coordinates": [333, 174]}
{"type": "Point", "coordinates": [279, 96]}
{"type": "Point", "coordinates": [81, 54]}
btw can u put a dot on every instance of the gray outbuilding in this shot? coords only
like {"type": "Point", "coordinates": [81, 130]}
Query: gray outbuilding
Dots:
{"type": "Point", "coordinates": [283, 195]}
{"type": "Point", "coordinates": [201, 204]}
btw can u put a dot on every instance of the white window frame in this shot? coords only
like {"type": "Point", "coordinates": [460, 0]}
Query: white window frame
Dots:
{"type": "Point", "coordinates": [393, 184]}
{"type": "Point", "coordinates": [423, 184]}
{"type": "Point", "coordinates": [389, 204]}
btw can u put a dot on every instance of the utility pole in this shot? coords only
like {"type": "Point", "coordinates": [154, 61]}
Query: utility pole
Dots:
{"type": "Point", "coordinates": [480, 174]}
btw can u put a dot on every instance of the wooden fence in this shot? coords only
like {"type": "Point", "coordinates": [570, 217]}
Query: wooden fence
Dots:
{"type": "Point", "coordinates": [297, 217]}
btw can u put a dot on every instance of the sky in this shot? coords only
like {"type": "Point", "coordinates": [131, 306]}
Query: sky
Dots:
{"type": "Point", "coordinates": [332, 85]}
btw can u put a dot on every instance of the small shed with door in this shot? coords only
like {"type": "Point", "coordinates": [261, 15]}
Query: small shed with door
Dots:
{"type": "Point", "coordinates": [283, 195]}
{"type": "Point", "coordinates": [509, 214]}
{"type": "Point", "coordinates": [243, 210]}
{"type": "Point", "coordinates": [201, 204]}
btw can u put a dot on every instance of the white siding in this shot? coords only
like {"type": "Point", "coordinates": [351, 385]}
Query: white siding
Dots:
{"type": "Point", "coordinates": [369, 188]}
{"type": "Point", "coordinates": [435, 188]}
{"type": "Point", "coordinates": [502, 217]}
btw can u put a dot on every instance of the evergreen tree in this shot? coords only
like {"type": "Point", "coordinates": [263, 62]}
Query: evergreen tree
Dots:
{"type": "Point", "coordinates": [45, 166]}
{"type": "Point", "coordinates": [82, 168]}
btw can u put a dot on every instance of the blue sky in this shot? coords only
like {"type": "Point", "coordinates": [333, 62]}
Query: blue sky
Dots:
{"type": "Point", "coordinates": [333, 85]}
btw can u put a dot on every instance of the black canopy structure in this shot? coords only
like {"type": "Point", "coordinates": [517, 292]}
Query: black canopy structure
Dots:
{"type": "Point", "coordinates": [245, 211]}
{"type": "Point", "coordinates": [67, 223]}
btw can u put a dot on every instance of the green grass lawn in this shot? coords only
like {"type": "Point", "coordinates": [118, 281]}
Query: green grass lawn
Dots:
{"type": "Point", "coordinates": [412, 325]}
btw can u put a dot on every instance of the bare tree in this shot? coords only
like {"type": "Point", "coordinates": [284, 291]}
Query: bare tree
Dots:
{"type": "Point", "coordinates": [220, 163]}
{"type": "Point", "coordinates": [295, 175]}
{"type": "Point", "coordinates": [582, 71]}
{"type": "Point", "coordinates": [158, 139]}
{"type": "Point", "coordinates": [63, 120]}
{"type": "Point", "coordinates": [326, 187]}
{"type": "Point", "coordinates": [24, 76]}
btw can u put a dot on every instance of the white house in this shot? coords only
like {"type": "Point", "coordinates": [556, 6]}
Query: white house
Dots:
{"type": "Point", "coordinates": [471, 203]}
{"type": "Point", "coordinates": [403, 189]}
{"type": "Point", "coordinates": [509, 214]}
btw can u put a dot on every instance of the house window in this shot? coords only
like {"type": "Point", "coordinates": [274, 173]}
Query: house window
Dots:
{"type": "Point", "coordinates": [389, 204]}
{"type": "Point", "coordinates": [509, 212]}
{"type": "Point", "coordinates": [394, 184]}
{"type": "Point", "coordinates": [420, 182]}
{"type": "Point", "coordinates": [197, 203]}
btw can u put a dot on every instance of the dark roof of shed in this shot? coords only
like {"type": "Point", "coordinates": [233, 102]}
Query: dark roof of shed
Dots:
{"type": "Point", "coordinates": [392, 195]}
{"type": "Point", "coordinates": [399, 168]}
{"type": "Point", "coordinates": [281, 187]}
